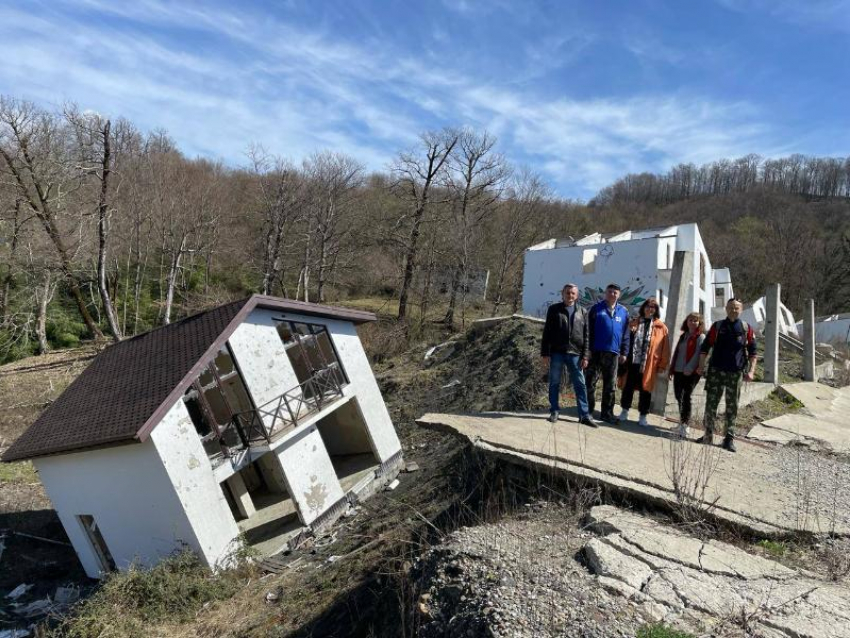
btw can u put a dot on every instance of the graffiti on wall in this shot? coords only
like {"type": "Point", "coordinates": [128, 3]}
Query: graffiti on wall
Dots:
{"type": "Point", "coordinates": [629, 297]}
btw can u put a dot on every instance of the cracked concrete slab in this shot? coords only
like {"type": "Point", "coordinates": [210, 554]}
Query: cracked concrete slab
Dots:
{"type": "Point", "coordinates": [714, 581]}
{"type": "Point", "coordinates": [749, 489]}
{"type": "Point", "coordinates": [824, 423]}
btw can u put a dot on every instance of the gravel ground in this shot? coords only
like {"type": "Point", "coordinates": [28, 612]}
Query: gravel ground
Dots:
{"type": "Point", "coordinates": [520, 577]}
{"type": "Point", "coordinates": [822, 483]}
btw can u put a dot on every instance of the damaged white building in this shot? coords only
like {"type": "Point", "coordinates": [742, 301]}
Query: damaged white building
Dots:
{"type": "Point", "coordinates": [639, 261]}
{"type": "Point", "coordinates": [257, 420]}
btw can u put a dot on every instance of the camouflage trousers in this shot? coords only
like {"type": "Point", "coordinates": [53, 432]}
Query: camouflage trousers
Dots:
{"type": "Point", "coordinates": [715, 384]}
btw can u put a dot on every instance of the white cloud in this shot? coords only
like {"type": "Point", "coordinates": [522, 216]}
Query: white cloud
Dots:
{"type": "Point", "coordinates": [296, 90]}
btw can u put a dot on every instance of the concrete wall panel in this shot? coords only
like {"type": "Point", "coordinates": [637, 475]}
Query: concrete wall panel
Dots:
{"type": "Point", "coordinates": [183, 457]}
{"type": "Point", "coordinates": [309, 473]}
{"type": "Point", "coordinates": [131, 497]}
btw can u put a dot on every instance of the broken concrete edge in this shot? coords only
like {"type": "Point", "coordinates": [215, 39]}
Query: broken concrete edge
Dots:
{"type": "Point", "coordinates": [624, 490]}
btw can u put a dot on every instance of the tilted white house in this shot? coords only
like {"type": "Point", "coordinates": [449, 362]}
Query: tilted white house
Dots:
{"type": "Point", "coordinates": [831, 329]}
{"type": "Point", "coordinates": [259, 419]}
{"type": "Point", "coordinates": [640, 262]}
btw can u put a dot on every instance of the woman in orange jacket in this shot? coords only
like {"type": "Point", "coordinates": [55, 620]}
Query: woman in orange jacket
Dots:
{"type": "Point", "coordinates": [649, 357]}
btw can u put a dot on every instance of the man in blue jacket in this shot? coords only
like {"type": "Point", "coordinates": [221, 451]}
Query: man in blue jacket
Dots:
{"type": "Point", "coordinates": [608, 324]}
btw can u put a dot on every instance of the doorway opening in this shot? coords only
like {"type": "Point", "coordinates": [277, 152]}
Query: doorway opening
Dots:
{"type": "Point", "coordinates": [349, 445]}
{"type": "Point", "coordinates": [97, 543]}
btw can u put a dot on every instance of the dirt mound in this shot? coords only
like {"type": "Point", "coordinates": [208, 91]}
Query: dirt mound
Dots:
{"type": "Point", "coordinates": [492, 369]}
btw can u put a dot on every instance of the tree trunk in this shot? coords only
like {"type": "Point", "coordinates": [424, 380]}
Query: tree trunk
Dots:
{"type": "Point", "coordinates": [45, 215]}
{"type": "Point", "coordinates": [103, 236]}
{"type": "Point", "coordinates": [410, 262]}
{"type": "Point", "coordinates": [171, 283]}
{"type": "Point", "coordinates": [43, 296]}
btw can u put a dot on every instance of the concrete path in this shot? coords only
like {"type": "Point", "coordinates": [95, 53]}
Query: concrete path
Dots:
{"type": "Point", "coordinates": [823, 424]}
{"type": "Point", "coordinates": [677, 577]}
{"type": "Point", "coordinates": [753, 488]}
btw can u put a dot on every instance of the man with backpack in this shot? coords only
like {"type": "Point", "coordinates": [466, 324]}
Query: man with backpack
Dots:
{"type": "Point", "coordinates": [733, 359]}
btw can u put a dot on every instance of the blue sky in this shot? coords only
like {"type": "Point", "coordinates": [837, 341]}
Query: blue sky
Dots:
{"type": "Point", "coordinates": [582, 92]}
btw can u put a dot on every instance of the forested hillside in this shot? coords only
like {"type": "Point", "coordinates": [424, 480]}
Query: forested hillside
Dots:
{"type": "Point", "coordinates": [106, 231]}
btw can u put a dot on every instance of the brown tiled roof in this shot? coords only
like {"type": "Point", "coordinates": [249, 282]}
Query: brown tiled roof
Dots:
{"type": "Point", "coordinates": [126, 390]}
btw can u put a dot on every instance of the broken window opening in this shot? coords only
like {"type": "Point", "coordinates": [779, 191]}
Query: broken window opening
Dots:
{"type": "Point", "coordinates": [214, 400]}
{"type": "Point", "coordinates": [97, 543]}
{"type": "Point", "coordinates": [311, 352]}
{"type": "Point", "coordinates": [719, 297]}
{"type": "Point", "coordinates": [588, 260]}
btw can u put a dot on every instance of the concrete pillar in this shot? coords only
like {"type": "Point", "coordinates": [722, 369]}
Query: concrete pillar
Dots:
{"type": "Point", "coordinates": [809, 340]}
{"type": "Point", "coordinates": [241, 496]}
{"type": "Point", "coordinates": [771, 334]}
{"type": "Point", "coordinates": [677, 308]}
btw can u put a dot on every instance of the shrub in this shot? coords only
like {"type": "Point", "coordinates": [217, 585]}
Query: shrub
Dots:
{"type": "Point", "coordinates": [661, 631]}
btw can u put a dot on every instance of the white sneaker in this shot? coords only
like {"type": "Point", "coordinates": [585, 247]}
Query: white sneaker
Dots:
{"type": "Point", "coordinates": [682, 430]}
{"type": "Point", "coordinates": [624, 416]}
{"type": "Point", "coordinates": [642, 421]}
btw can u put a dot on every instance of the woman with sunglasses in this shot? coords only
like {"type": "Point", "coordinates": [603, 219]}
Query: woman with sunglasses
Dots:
{"type": "Point", "coordinates": [650, 356]}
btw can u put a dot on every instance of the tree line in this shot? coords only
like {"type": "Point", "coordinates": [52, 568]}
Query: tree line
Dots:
{"type": "Point", "coordinates": [107, 231]}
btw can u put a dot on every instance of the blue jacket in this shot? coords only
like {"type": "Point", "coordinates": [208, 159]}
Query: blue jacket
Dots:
{"type": "Point", "coordinates": [609, 332]}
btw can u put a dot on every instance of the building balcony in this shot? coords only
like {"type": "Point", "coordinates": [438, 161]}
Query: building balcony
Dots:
{"type": "Point", "coordinates": [266, 423]}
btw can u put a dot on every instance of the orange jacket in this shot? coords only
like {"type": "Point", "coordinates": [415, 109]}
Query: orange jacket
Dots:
{"type": "Point", "coordinates": [657, 356]}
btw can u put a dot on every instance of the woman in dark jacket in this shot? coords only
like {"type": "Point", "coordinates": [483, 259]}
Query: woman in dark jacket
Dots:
{"type": "Point", "coordinates": [684, 365]}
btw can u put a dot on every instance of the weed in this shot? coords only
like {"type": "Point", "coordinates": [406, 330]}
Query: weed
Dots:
{"type": "Point", "coordinates": [661, 631]}
{"type": "Point", "coordinates": [18, 473]}
{"type": "Point", "coordinates": [126, 602]}
{"type": "Point", "coordinates": [777, 549]}
{"type": "Point", "coordinates": [690, 468]}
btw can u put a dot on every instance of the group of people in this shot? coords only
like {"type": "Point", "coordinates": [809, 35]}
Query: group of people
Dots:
{"type": "Point", "coordinates": [632, 352]}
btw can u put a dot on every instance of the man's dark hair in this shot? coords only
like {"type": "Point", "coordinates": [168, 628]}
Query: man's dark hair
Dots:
{"type": "Point", "coordinates": [612, 287]}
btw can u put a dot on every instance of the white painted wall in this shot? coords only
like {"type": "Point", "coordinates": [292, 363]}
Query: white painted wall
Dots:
{"type": "Point", "coordinates": [129, 493]}
{"type": "Point", "coordinates": [262, 359]}
{"type": "Point", "coordinates": [186, 462]}
{"type": "Point", "coordinates": [309, 473]}
{"type": "Point", "coordinates": [640, 263]}
{"type": "Point", "coordinates": [631, 264]}
{"type": "Point", "coordinates": [834, 330]}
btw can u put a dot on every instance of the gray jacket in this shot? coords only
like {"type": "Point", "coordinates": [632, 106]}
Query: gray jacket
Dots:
{"type": "Point", "coordinates": [560, 338]}
{"type": "Point", "coordinates": [680, 361]}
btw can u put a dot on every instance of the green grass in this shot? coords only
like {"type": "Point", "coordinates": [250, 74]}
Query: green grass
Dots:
{"type": "Point", "coordinates": [661, 631]}
{"type": "Point", "coordinates": [777, 549]}
{"type": "Point", "coordinates": [23, 472]}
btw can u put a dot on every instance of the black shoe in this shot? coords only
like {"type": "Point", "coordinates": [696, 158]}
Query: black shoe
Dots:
{"type": "Point", "coordinates": [707, 438]}
{"type": "Point", "coordinates": [588, 421]}
{"type": "Point", "coordinates": [729, 444]}
{"type": "Point", "coordinates": [610, 418]}
{"type": "Point", "coordinates": [553, 416]}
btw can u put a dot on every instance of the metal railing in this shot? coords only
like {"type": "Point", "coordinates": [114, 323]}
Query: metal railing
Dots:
{"type": "Point", "coordinates": [284, 413]}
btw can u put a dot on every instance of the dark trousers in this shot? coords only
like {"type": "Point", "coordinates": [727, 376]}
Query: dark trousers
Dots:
{"type": "Point", "coordinates": [634, 381]}
{"type": "Point", "coordinates": [602, 364]}
{"type": "Point", "coordinates": [683, 388]}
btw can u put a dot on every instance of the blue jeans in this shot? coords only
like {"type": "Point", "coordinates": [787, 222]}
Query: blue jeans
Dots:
{"type": "Point", "coordinates": [556, 368]}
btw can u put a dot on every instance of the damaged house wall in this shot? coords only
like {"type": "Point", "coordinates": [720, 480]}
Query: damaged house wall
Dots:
{"type": "Point", "coordinates": [639, 261]}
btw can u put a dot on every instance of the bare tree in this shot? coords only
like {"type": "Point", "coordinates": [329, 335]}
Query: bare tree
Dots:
{"type": "Point", "coordinates": [515, 226]}
{"type": "Point", "coordinates": [33, 147]}
{"type": "Point", "coordinates": [416, 172]}
{"type": "Point", "coordinates": [333, 179]}
{"type": "Point", "coordinates": [475, 180]}
{"type": "Point", "coordinates": [280, 193]}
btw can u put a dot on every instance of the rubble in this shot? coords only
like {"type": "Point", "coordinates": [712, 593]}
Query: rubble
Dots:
{"type": "Point", "coordinates": [711, 581]}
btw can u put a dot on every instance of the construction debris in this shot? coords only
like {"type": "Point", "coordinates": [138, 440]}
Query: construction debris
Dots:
{"type": "Point", "coordinates": [19, 591]}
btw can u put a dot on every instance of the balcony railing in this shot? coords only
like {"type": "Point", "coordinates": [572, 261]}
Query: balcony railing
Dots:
{"type": "Point", "coordinates": [284, 413]}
